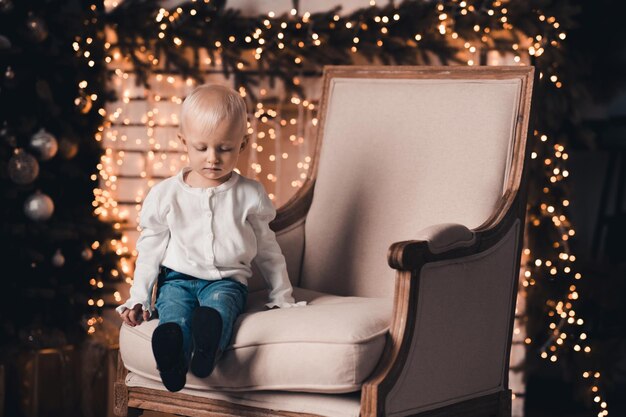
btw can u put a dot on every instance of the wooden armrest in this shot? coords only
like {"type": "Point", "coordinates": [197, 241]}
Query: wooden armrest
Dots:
{"type": "Point", "coordinates": [438, 243]}
{"type": "Point", "coordinates": [407, 255]}
{"type": "Point", "coordinates": [434, 240]}
{"type": "Point", "coordinates": [451, 240]}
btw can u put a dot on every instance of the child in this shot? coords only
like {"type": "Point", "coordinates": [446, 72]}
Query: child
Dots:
{"type": "Point", "coordinates": [201, 229]}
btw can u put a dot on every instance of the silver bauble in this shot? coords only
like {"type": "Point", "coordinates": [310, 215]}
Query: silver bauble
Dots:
{"type": "Point", "coordinates": [23, 167]}
{"type": "Point", "coordinates": [67, 148]}
{"type": "Point", "coordinates": [83, 103]}
{"type": "Point", "coordinates": [5, 43]}
{"type": "Point", "coordinates": [87, 254]}
{"type": "Point", "coordinates": [8, 137]}
{"type": "Point", "coordinates": [9, 74]}
{"type": "Point", "coordinates": [6, 6]}
{"type": "Point", "coordinates": [58, 259]}
{"type": "Point", "coordinates": [44, 144]}
{"type": "Point", "coordinates": [39, 206]}
{"type": "Point", "coordinates": [37, 28]}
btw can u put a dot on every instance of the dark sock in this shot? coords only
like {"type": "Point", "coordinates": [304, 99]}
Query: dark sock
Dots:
{"type": "Point", "coordinates": [206, 330]}
{"type": "Point", "coordinates": [167, 347]}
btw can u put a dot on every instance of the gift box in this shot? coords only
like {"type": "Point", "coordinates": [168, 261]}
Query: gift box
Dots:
{"type": "Point", "coordinates": [47, 382]}
{"type": "Point", "coordinates": [97, 375]}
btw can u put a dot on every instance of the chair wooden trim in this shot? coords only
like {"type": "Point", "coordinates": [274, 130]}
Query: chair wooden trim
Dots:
{"type": "Point", "coordinates": [406, 257]}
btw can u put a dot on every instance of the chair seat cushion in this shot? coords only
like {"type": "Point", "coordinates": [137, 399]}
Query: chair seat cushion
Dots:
{"type": "Point", "coordinates": [330, 346]}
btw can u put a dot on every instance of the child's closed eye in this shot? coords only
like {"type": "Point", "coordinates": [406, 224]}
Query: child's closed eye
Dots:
{"type": "Point", "coordinates": [219, 150]}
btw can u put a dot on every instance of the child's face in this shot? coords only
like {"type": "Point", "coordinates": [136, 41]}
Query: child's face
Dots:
{"type": "Point", "coordinates": [213, 158]}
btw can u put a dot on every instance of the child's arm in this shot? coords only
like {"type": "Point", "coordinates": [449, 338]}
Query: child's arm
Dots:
{"type": "Point", "coordinates": [151, 247]}
{"type": "Point", "coordinates": [270, 259]}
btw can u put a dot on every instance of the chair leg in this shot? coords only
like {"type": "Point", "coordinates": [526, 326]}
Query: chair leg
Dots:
{"type": "Point", "coordinates": [125, 411]}
{"type": "Point", "coordinates": [120, 401]}
{"type": "Point", "coordinates": [120, 393]}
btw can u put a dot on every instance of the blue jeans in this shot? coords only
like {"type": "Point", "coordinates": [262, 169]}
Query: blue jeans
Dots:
{"type": "Point", "coordinates": [178, 295]}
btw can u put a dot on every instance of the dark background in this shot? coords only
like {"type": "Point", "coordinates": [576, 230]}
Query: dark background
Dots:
{"type": "Point", "coordinates": [597, 184]}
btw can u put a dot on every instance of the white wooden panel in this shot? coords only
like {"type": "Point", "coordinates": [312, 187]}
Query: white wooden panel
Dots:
{"type": "Point", "coordinates": [126, 163]}
{"type": "Point", "coordinates": [128, 189]}
{"type": "Point", "coordinates": [518, 355]}
{"type": "Point", "coordinates": [519, 330]}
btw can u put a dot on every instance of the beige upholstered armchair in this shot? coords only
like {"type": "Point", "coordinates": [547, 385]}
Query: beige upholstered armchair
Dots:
{"type": "Point", "coordinates": [405, 240]}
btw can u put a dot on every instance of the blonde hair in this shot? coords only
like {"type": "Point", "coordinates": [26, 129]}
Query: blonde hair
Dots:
{"type": "Point", "coordinates": [209, 104]}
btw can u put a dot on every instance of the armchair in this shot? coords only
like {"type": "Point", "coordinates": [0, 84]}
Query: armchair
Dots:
{"type": "Point", "coordinates": [425, 165]}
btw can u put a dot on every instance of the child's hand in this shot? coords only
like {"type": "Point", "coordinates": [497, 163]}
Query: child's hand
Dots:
{"type": "Point", "coordinates": [134, 317]}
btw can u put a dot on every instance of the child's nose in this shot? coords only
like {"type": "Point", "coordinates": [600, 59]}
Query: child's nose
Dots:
{"type": "Point", "coordinates": [212, 155]}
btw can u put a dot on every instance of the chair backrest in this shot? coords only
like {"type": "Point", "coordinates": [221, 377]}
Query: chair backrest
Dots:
{"type": "Point", "coordinates": [400, 149]}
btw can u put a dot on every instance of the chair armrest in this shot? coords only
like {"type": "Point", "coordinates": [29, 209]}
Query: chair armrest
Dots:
{"type": "Point", "coordinates": [437, 278]}
{"type": "Point", "coordinates": [453, 240]}
{"type": "Point", "coordinates": [433, 240]}
{"type": "Point", "coordinates": [446, 236]}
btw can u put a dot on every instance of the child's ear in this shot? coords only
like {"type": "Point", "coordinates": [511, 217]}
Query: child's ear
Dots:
{"type": "Point", "coordinates": [244, 143]}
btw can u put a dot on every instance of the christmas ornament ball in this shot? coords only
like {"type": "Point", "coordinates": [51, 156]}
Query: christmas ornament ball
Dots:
{"type": "Point", "coordinates": [5, 43]}
{"type": "Point", "coordinates": [44, 144]}
{"type": "Point", "coordinates": [6, 6]}
{"type": "Point", "coordinates": [87, 254]}
{"type": "Point", "coordinates": [8, 137]}
{"type": "Point", "coordinates": [83, 103]}
{"type": "Point", "coordinates": [23, 167]}
{"type": "Point", "coordinates": [58, 259]}
{"type": "Point", "coordinates": [37, 28]}
{"type": "Point", "coordinates": [39, 206]}
{"type": "Point", "coordinates": [9, 74]}
{"type": "Point", "coordinates": [67, 148]}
